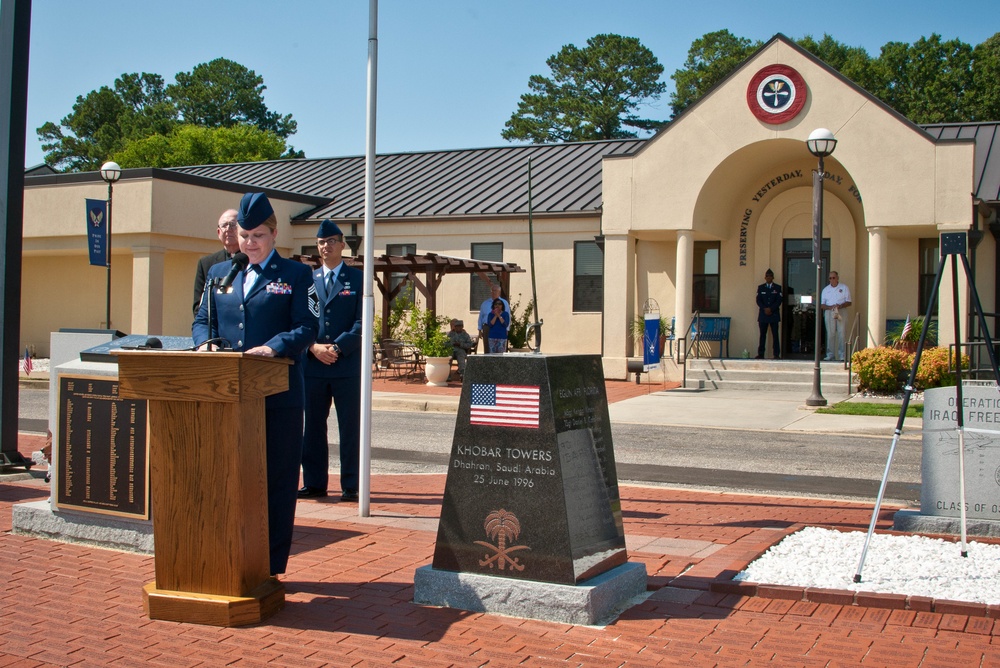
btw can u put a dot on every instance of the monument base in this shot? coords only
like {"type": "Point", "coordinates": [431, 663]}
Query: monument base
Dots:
{"type": "Point", "coordinates": [37, 518]}
{"type": "Point", "coordinates": [214, 610]}
{"type": "Point", "coordinates": [913, 522]}
{"type": "Point", "coordinates": [596, 601]}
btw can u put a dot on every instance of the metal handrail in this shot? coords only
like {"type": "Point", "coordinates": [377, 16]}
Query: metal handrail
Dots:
{"type": "Point", "coordinates": [851, 343]}
{"type": "Point", "coordinates": [681, 340]}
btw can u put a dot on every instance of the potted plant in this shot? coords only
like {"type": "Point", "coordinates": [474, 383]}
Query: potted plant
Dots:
{"type": "Point", "coordinates": [517, 333]}
{"type": "Point", "coordinates": [906, 337]}
{"type": "Point", "coordinates": [436, 349]}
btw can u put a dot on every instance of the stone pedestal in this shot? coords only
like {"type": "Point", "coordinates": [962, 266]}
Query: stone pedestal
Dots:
{"type": "Point", "coordinates": [532, 492]}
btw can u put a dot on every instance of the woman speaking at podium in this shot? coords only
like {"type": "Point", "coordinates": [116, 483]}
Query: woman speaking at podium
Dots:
{"type": "Point", "coordinates": [270, 309]}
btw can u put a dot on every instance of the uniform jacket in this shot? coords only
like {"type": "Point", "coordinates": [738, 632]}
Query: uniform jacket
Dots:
{"type": "Point", "coordinates": [279, 311]}
{"type": "Point", "coordinates": [339, 322]}
{"type": "Point", "coordinates": [769, 297]}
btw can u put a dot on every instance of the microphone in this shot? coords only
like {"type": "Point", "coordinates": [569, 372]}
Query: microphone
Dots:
{"type": "Point", "coordinates": [240, 262]}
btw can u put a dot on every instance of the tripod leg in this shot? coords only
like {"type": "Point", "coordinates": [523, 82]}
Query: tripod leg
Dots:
{"type": "Point", "coordinates": [907, 391]}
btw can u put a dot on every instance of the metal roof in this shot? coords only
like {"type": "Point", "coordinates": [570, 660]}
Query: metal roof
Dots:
{"type": "Point", "coordinates": [487, 182]}
{"type": "Point", "coordinates": [565, 179]}
{"type": "Point", "coordinates": [987, 137]}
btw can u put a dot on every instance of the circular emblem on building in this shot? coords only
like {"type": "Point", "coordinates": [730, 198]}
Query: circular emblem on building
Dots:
{"type": "Point", "coordinates": [776, 94]}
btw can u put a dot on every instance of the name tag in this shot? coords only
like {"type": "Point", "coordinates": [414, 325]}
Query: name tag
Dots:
{"type": "Point", "coordinates": [279, 288]}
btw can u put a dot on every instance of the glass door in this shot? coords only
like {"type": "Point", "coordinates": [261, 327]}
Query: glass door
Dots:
{"type": "Point", "coordinates": [798, 318]}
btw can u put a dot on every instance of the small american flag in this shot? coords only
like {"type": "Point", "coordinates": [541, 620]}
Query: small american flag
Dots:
{"type": "Point", "coordinates": [26, 362]}
{"type": "Point", "coordinates": [505, 405]}
{"type": "Point", "coordinates": [906, 327]}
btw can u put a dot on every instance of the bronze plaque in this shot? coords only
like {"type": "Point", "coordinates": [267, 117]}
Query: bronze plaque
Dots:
{"type": "Point", "coordinates": [103, 463]}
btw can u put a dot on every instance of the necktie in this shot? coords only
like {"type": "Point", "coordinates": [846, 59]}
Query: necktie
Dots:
{"type": "Point", "coordinates": [257, 268]}
{"type": "Point", "coordinates": [331, 278]}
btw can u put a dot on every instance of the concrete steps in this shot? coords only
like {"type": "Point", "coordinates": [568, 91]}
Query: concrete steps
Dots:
{"type": "Point", "coordinates": [766, 375]}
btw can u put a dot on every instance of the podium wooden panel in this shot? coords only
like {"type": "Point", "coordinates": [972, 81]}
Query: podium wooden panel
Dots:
{"type": "Point", "coordinates": [208, 482]}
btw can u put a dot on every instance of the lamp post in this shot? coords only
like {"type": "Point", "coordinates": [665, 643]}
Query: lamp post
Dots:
{"type": "Point", "coordinates": [110, 172]}
{"type": "Point", "coordinates": [821, 143]}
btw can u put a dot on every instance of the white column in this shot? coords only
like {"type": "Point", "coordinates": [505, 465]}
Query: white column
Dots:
{"type": "Point", "coordinates": [685, 277]}
{"type": "Point", "coordinates": [878, 268]}
{"type": "Point", "coordinates": [147, 290]}
{"type": "Point", "coordinates": [619, 302]}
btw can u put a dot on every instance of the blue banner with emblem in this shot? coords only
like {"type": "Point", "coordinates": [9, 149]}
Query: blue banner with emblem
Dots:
{"type": "Point", "coordinates": [651, 342]}
{"type": "Point", "coordinates": [97, 231]}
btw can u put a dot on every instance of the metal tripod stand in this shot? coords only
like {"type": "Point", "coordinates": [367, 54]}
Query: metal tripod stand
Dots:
{"type": "Point", "coordinates": [953, 245]}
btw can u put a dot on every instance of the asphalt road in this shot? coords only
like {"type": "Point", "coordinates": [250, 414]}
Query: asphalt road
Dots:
{"type": "Point", "coordinates": [765, 462]}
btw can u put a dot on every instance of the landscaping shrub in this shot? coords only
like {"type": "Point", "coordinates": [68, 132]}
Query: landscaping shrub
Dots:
{"type": "Point", "coordinates": [885, 369]}
{"type": "Point", "coordinates": [933, 369]}
{"type": "Point", "coordinates": [881, 369]}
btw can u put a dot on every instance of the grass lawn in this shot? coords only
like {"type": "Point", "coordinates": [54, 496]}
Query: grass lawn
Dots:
{"type": "Point", "coordinates": [863, 408]}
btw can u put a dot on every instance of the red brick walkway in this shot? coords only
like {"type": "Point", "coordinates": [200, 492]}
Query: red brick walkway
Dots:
{"type": "Point", "coordinates": [350, 583]}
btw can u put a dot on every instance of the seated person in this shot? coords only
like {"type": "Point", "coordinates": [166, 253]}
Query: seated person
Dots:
{"type": "Point", "coordinates": [462, 344]}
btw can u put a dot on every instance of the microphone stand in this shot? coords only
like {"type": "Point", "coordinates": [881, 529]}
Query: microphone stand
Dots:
{"type": "Point", "coordinates": [210, 296]}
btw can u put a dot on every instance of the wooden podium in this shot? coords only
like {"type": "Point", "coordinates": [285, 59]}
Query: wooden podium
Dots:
{"type": "Point", "coordinates": [208, 482]}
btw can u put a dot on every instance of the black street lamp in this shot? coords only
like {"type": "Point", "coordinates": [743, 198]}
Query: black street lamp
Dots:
{"type": "Point", "coordinates": [110, 172]}
{"type": "Point", "coordinates": [821, 143]}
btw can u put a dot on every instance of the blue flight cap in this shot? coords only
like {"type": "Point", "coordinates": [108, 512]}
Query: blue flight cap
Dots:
{"type": "Point", "coordinates": [328, 228]}
{"type": "Point", "coordinates": [254, 210]}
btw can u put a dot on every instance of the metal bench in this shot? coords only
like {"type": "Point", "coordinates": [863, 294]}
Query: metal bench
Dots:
{"type": "Point", "coordinates": [712, 328]}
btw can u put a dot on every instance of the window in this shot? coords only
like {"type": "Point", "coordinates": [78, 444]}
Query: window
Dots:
{"type": "Point", "coordinates": [478, 290]}
{"type": "Point", "coordinates": [588, 276]}
{"type": "Point", "coordinates": [706, 277]}
{"type": "Point", "coordinates": [398, 277]}
{"type": "Point", "coordinates": [930, 258]}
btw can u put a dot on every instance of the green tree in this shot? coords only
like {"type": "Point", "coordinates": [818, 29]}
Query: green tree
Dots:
{"type": "Point", "coordinates": [929, 81]}
{"type": "Point", "coordinates": [105, 119]}
{"type": "Point", "coordinates": [852, 61]}
{"type": "Point", "coordinates": [711, 58]}
{"type": "Point", "coordinates": [593, 92]}
{"type": "Point", "coordinates": [139, 116]}
{"type": "Point", "coordinates": [197, 145]}
{"type": "Point", "coordinates": [984, 102]}
{"type": "Point", "coordinates": [223, 93]}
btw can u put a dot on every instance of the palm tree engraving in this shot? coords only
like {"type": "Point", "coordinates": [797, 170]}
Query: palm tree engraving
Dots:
{"type": "Point", "coordinates": [502, 526]}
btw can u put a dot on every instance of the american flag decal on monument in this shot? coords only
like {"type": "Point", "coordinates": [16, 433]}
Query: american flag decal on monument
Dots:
{"type": "Point", "coordinates": [505, 405]}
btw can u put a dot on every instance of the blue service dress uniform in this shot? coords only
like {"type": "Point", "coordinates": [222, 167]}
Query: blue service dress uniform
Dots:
{"type": "Point", "coordinates": [279, 310]}
{"type": "Point", "coordinates": [340, 324]}
{"type": "Point", "coordinates": [769, 296]}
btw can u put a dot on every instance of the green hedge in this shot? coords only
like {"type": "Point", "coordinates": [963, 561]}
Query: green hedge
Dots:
{"type": "Point", "coordinates": [885, 369]}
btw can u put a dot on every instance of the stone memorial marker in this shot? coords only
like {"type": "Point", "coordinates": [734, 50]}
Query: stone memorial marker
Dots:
{"type": "Point", "coordinates": [532, 490]}
{"type": "Point", "coordinates": [939, 491]}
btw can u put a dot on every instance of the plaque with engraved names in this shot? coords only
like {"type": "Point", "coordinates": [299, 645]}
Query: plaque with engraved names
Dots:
{"type": "Point", "coordinates": [532, 490]}
{"type": "Point", "coordinates": [102, 458]}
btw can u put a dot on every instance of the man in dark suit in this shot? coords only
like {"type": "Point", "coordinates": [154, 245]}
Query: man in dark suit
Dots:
{"type": "Point", "coordinates": [769, 314]}
{"type": "Point", "coordinates": [230, 245]}
{"type": "Point", "coordinates": [270, 310]}
{"type": "Point", "coordinates": [333, 370]}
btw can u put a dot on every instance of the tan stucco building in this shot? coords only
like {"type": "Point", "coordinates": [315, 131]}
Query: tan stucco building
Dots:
{"type": "Point", "coordinates": [690, 218]}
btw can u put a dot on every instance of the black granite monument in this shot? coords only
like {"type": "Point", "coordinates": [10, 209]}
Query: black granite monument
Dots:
{"type": "Point", "coordinates": [532, 491]}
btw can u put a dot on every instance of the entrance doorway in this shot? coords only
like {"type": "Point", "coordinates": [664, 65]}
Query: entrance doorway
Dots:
{"type": "Point", "coordinates": [798, 320]}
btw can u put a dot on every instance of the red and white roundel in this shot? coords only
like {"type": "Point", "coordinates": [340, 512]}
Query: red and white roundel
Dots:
{"type": "Point", "coordinates": [776, 94]}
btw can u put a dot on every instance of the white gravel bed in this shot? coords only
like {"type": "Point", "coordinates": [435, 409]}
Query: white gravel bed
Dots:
{"type": "Point", "coordinates": [910, 565]}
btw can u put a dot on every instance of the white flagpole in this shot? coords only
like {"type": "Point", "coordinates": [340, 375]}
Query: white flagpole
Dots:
{"type": "Point", "coordinates": [368, 305]}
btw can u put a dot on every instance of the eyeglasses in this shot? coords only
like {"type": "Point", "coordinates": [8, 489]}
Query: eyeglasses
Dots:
{"type": "Point", "coordinates": [328, 241]}
{"type": "Point", "coordinates": [226, 226]}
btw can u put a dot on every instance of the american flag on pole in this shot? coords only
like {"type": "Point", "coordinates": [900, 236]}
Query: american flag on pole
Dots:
{"type": "Point", "coordinates": [505, 405]}
{"type": "Point", "coordinates": [26, 362]}
{"type": "Point", "coordinates": [906, 327]}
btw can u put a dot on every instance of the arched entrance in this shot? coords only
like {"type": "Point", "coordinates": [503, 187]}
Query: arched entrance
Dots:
{"type": "Point", "coordinates": [784, 237]}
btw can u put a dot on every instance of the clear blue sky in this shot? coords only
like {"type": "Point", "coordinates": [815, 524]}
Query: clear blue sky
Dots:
{"type": "Point", "coordinates": [450, 71]}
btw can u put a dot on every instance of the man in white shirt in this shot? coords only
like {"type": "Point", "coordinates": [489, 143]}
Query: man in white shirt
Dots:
{"type": "Point", "coordinates": [835, 299]}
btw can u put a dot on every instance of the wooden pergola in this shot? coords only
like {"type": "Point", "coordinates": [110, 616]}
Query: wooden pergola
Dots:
{"type": "Point", "coordinates": [425, 273]}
